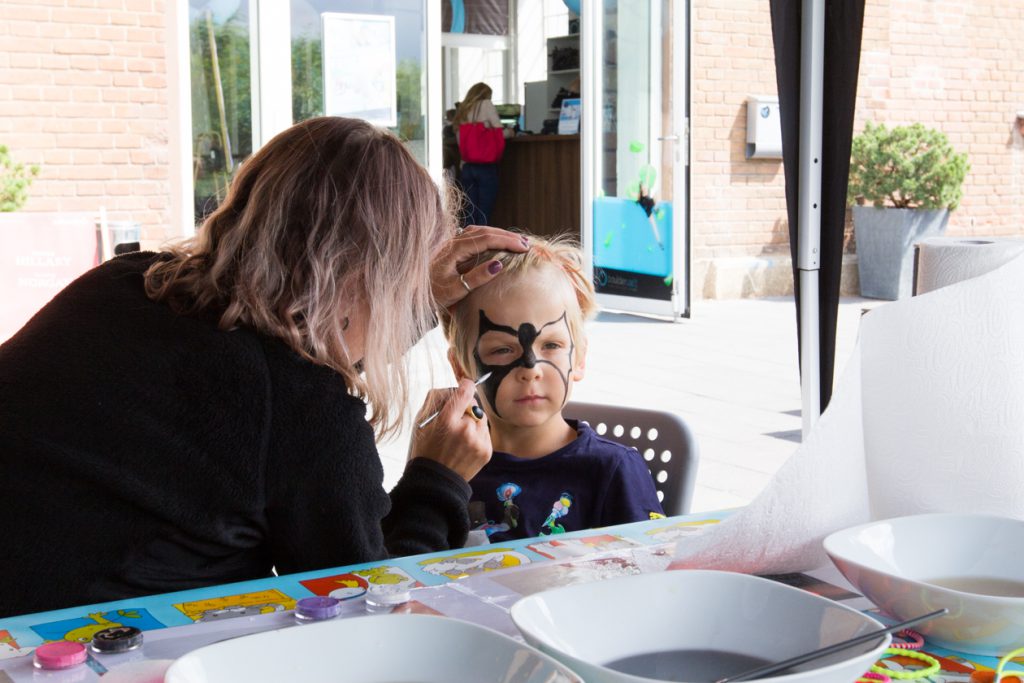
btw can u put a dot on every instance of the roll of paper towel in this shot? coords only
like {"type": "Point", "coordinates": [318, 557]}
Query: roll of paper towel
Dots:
{"type": "Point", "coordinates": [941, 261]}
{"type": "Point", "coordinates": [927, 417]}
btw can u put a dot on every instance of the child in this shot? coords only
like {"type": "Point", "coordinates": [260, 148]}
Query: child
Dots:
{"type": "Point", "coordinates": [547, 474]}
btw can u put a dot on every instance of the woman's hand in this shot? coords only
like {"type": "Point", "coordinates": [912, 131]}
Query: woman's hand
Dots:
{"type": "Point", "coordinates": [456, 438]}
{"type": "Point", "coordinates": [456, 271]}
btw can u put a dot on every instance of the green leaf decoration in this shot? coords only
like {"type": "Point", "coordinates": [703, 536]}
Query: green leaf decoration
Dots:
{"type": "Point", "coordinates": [668, 280]}
{"type": "Point", "coordinates": [659, 213]}
{"type": "Point", "coordinates": [636, 146]}
{"type": "Point", "coordinates": [608, 240]}
{"type": "Point", "coordinates": [633, 190]}
{"type": "Point", "coordinates": [906, 167]}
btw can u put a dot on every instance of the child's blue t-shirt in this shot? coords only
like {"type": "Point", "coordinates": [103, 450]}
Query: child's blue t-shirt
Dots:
{"type": "Point", "coordinates": [591, 482]}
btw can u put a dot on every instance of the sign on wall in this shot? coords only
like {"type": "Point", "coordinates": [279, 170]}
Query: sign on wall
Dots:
{"type": "Point", "coordinates": [360, 67]}
{"type": "Point", "coordinates": [40, 254]}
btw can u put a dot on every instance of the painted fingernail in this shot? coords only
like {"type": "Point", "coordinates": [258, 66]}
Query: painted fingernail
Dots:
{"type": "Point", "coordinates": [526, 242]}
{"type": "Point", "coordinates": [494, 267]}
{"type": "Point", "coordinates": [478, 412]}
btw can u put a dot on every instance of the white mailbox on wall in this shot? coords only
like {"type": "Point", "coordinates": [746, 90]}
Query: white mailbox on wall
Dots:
{"type": "Point", "coordinates": [764, 127]}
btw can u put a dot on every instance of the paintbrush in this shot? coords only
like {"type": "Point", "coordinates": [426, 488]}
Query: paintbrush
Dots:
{"type": "Point", "coordinates": [421, 425]}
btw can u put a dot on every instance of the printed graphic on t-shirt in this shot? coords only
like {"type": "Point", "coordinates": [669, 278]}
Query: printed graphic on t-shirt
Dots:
{"type": "Point", "coordinates": [506, 494]}
{"type": "Point", "coordinates": [558, 510]}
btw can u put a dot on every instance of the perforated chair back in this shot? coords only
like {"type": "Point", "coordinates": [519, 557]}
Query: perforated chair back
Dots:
{"type": "Point", "coordinates": [663, 439]}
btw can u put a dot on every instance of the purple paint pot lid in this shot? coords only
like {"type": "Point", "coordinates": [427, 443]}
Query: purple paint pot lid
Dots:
{"type": "Point", "coordinates": [61, 654]}
{"type": "Point", "coordinates": [318, 607]}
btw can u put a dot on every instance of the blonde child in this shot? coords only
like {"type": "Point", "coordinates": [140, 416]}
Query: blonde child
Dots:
{"type": "Point", "coordinates": [547, 474]}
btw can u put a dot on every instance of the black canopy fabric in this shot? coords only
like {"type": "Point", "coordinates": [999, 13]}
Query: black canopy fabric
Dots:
{"type": "Point", "coordinates": [844, 20]}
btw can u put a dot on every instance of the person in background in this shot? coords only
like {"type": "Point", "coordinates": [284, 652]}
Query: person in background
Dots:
{"type": "Point", "coordinates": [479, 181]}
{"type": "Point", "coordinates": [548, 474]}
{"type": "Point", "coordinates": [199, 416]}
{"type": "Point", "coordinates": [450, 159]}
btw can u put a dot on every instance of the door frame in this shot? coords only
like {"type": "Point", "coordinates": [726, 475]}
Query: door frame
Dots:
{"type": "Point", "coordinates": [591, 140]}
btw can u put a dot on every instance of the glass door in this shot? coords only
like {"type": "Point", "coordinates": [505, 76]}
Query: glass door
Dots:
{"type": "Point", "coordinates": [635, 155]}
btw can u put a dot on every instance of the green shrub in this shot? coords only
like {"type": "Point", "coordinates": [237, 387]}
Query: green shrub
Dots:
{"type": "Point", "coordinates": [15, 178]}
{"type": "Point", "coordinates": [907, 167]}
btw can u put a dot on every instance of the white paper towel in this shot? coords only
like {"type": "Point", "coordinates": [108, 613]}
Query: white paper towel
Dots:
{"type": "Point", "coordinates": [942, 261]}
{"type": "Point", "coordinates": [927, 417]}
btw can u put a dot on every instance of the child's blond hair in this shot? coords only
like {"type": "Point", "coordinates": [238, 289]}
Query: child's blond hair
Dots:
{"type": "Point", "coordinates": [561, 254]}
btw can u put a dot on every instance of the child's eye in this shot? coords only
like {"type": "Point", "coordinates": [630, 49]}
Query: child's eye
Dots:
{"type": "Point", "coordinates": [552, 346]}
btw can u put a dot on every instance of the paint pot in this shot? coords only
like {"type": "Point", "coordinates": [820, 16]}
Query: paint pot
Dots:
{"type": "Point", "coordinates": [382, 599]}
{"type": "Point", "coordinates": [317, 608]}
{"type": "Point", "coordinates": [61, 654]}
{"type": "Point", "coordinates": [116, 640]}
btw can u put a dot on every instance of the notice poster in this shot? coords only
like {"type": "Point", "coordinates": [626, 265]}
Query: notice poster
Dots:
{"type": "Point", "coordinates": [360, 72]}
{"type": "Point", "coordinates": [40, 254]}
{"type": "Point", "coordinates": [569, 116]}
{"type": "Point", "coordinates": [633, 248]}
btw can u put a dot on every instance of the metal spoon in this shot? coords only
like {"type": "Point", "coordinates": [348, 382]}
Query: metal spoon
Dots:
{"type": "Point", "coordinates": [761, 671]}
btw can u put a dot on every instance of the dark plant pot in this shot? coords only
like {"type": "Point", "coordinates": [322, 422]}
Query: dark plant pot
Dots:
{"type": "Point", "coordinates": [885, 247]}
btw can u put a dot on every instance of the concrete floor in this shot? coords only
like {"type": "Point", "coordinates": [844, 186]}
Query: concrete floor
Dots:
{"type": "Point", "coordinates": [730, 371]}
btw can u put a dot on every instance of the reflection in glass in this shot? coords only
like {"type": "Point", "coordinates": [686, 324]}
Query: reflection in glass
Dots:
{"type": "Point", "coordinates": [410, 32]}
{"type": "Point", "coordinates": [221, 97]}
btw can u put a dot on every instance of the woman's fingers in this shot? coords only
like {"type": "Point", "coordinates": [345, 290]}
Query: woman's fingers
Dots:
{"type": "Point", "coordinates": [476, 239]}
{"type": "Point", "coordinates": [457, 270]}
{"type": "Point", "coordinates": [458, 438]}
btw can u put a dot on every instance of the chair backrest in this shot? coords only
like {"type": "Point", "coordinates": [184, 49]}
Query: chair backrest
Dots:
{"type": "Point", "coordinates": [663, 439]}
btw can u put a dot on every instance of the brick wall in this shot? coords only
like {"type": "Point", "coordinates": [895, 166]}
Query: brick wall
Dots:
{"type": "Point", "coordinates": [945, 63]}
{"type": "Point", "coordinates": [83, 94]}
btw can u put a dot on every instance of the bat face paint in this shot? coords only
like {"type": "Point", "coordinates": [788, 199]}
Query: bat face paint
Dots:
{"type": "Point", "coordinates": [555, 348]}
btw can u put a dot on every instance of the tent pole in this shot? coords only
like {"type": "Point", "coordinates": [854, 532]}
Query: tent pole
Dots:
{"type": "Point", "coordinates": [812, 63]}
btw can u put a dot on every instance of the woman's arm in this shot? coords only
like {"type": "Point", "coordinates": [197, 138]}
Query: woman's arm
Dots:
{"type": "Point", "coordinates": [325, 502]}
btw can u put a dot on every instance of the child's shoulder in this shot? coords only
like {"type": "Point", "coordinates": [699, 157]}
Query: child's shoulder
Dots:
{"type": "Point", "coordinates": [590, 441]}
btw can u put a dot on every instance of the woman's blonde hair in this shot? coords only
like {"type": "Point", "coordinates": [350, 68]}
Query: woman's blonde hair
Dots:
{"type": "Point", "coordinates": [476, 94]}
{"type": "Point", "coordinates": [331, 214]}
{"type": "Point", "coordinates": [559, 254]}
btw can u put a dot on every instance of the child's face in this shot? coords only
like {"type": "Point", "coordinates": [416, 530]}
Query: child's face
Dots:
{"type": "Point", "coordinates": [523, 338]}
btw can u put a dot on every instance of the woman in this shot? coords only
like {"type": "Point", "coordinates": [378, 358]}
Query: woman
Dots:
{"type": "Point", "coordinates": [479, 181]}
{"type": "Point", "coordinates": [195, 417]}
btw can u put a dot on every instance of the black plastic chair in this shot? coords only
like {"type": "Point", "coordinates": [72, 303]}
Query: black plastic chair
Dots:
{"type": "Point", "coordinates": [664, 440]}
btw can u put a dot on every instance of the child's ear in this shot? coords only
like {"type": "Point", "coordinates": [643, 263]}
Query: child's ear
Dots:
{"type": "Point", "coordinates": [457, 368]}
{"type": "Point", "coordinates": [580, 364]}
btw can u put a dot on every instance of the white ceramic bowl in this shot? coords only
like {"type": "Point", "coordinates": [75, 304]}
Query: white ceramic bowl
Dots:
{"type": "Point", "coordinates": [588, 626]}
{"type": "Point", "coordinates": [896, 562]}
{"type": "Point", "coordinates": [374, 649]}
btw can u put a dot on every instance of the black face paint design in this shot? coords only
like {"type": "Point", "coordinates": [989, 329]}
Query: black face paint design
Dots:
{"type": "Point", "coordinates": [526, 334]}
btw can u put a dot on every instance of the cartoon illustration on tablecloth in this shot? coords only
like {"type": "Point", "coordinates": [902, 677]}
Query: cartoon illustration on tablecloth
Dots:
{"type": "Point", "coordinates": [665, 534]}
{"type": "Point", "coordinates": [473, 562]}
{"type": "Point", "coordinates": [578, 547]}
{"type": "Point", "coordinates": [82, 629]}
{"type": "Point", "coordinates": [354, 584]}
{"type": "Point", "coordinates": [558, 510]}
{"type": "Point", "coordinates": [9, 647]}
{"type": "Point", "coordinates": [231, 606]}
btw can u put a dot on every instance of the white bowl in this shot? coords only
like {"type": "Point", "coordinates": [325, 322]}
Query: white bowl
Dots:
{"type": "Point", "coordinates": [896, 562]}
{"type": "Point", "coordinates": [374, 649]}
{"type": "Point", "coordinates": [589, 626]}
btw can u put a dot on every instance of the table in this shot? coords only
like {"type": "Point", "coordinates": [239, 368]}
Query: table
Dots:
{"type": "Point", "coordinates": [489, 580]}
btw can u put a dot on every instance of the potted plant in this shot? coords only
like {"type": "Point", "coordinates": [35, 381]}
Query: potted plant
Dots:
{"type": "Point", "coordinates": [904, 181]}
{"type": "Point", "coordinates": [15, 178]}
